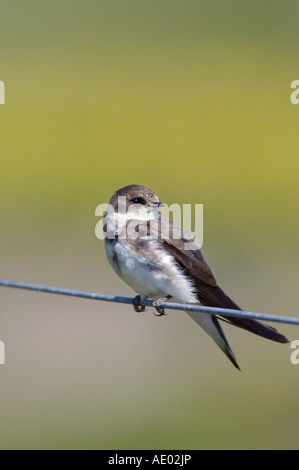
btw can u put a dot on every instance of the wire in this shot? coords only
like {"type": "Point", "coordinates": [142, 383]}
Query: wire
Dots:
{"type": "Point", "coordinates": [149, 303]}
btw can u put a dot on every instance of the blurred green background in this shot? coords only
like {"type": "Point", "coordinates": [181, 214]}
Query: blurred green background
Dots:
{"type": "Point", "coordinates": [191, 99]}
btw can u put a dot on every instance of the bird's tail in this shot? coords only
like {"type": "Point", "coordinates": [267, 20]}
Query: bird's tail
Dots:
{"type": "Point", "coordinates": [256, 327]}
{"type": "Point", "coordinates": [220, 299]}
{"type": "Point", "coordinates": [212, 326]}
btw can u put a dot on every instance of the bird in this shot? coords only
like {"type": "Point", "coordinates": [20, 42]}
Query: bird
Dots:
{"type": "Point", "coordinates": [148, 252]}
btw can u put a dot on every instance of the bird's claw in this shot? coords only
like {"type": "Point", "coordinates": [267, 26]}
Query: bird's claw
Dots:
{"type": "Point", "coordinates": [138, 308]}
{"type": "Point", "coordinates": [157, 304]}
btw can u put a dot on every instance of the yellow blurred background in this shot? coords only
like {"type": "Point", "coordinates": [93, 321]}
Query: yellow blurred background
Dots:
{"type": "Point", "coordinates": [191, 99]}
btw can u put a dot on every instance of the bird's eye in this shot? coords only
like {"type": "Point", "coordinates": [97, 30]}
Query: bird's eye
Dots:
{"type": "Point", "coordinates": [138, 200]}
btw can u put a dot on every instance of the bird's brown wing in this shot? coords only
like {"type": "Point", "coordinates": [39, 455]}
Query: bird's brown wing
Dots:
{"type": "Point", "coordinates": [209, 293]}
{"type": "Point", "coordinates": [195, 266]}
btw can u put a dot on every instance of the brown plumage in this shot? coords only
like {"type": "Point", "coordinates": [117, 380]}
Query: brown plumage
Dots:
{"type": "Point", "coordinates": [158, 264]}
{"type": "Point", "coordinates": [208, 291]}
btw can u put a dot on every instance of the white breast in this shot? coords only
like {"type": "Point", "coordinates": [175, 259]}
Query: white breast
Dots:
{"type": "Point", "coordinates": [152, 273]}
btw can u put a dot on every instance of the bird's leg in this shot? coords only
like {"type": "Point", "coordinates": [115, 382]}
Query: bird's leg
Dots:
{"type": "Point", "coordinates": [138, 308]}
{"type": "Point", "coordinates": [157, 303]}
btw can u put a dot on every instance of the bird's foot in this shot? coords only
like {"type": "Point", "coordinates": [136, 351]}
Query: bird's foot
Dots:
{"type": "Point", "coordinates": [157, 303]}
{"type": "Point", "coordinates": [138, 308]}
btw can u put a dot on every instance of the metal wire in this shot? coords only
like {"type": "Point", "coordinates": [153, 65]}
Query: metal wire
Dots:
{"type": "Point", "coordinates": [149, 303]}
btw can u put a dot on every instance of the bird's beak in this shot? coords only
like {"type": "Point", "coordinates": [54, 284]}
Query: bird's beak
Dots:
{"type": "Point", "coordinates": [155, 206]}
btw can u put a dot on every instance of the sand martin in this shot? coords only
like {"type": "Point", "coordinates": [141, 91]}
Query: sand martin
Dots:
{"type": "Point", "coordinates": [160, 268]}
